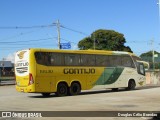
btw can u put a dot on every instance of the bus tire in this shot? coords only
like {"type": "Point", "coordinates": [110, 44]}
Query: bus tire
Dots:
{"type": "Point", "coordinates": [62, 89]}
{"type": "Point", "coordinates": [131, 85]}
{"type": "Point", "coordinates": [75, 88]}
{"type": "Point", "coordinates": [45, 94]}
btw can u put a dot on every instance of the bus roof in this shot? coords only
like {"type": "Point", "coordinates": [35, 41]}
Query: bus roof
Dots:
{"type": "Point", "coordinates": [105, 52]}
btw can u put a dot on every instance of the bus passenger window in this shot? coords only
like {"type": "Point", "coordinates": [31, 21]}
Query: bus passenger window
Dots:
{"type": "Point", "coordinates": [117, 60]}
{"type": "Point", "coordinates": [72, 59]}
{"type": "Point", "coordinates": [112, 61]}
{"type": "Point", "coordinates": [101, 60]}
{"type": "Point", "coordinates": [38, 57]}
{"type": "Point", "coordinates": [52, 61]}
{"type": "Point", "coordinates": [88, 60]}
{"type": "Point", "coordinates": [127, 61]}
{"type": "Point", "coordinates": [56, 59]}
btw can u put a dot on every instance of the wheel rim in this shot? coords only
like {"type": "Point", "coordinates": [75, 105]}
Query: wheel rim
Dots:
{"type": "Point", "coordinates": [62, 90]}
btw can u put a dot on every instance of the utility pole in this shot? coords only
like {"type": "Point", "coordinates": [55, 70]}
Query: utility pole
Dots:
{"type": "Point", "coordinates": [58, 31]}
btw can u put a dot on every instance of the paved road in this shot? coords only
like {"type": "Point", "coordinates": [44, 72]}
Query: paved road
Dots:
{"type": "Point", "coordinates": [146, 99]}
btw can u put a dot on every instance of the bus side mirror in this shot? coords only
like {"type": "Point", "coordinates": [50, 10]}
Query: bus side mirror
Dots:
{"type": "Point", "coordinates": [140, 68]}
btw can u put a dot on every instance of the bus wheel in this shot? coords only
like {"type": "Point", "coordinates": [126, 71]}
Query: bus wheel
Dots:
{"type": "Point", "coordinates": [131, 85]}
{"type": "Point", "coordinates": [45, 94]}
{"type": "Point", "coordinates": [62, 90]}
{"type": "Point", "coordinates": [75, 88]}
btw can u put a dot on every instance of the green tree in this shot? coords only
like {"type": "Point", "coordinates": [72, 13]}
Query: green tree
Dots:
{"type": "Point", "coordinates": [104, 40]}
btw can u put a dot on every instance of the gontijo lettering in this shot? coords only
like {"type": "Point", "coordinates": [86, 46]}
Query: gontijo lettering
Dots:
{"type": "Point", "coordinates": [79, 71]}
{"type": "Point", "coordinates": [21, 64]}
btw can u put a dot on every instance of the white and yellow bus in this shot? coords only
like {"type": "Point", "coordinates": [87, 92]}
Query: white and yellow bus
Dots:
{"type": "Point", "coordinates": [67, 72]}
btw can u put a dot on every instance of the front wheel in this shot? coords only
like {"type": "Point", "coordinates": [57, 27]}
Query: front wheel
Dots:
{"type": "Point", "coordinates": [131, 85]}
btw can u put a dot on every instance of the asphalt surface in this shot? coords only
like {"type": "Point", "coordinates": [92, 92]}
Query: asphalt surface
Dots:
{"type": "Point", "coordinates": [141, 99]}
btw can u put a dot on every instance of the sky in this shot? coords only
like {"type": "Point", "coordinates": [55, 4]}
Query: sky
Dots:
{"type": "Point", "coordinates": [31, 23]}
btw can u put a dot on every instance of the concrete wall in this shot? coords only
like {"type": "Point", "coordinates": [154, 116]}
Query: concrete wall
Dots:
{"type": "Point", "coordinates": [153, 77]}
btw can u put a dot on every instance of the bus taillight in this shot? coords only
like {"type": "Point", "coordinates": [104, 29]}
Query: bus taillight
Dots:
{"type": "Point", "coordinates": [31, 81]}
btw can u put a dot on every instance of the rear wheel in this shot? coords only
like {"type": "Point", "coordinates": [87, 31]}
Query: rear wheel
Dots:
{"type": "Point", "coordinates": [75, 88]}
{"type": "Point", "coordinates": [131, 85]}
{"type": "Point", "coordinates": [62, 89]}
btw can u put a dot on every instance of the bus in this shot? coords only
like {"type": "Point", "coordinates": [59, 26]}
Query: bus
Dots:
{"type": "Point", "coordinates": [67, 72]}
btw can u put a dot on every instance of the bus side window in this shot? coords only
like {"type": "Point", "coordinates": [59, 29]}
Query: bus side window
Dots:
{"type": "Point", "coordinates": [101, 60]}
{"type": "Point", "coordinates": [39, 58]}
{"type": "Point", "coordinates": [72, 59]}
{"type": "Point", "coordinates": [46, 59]}
{"type": "Point", "coordinates": [117, 60]}
{"type": "Point", "coordinates": [88, 60]}
{"type": "Point", "coordinates": [43, 58]}
{"type": "Point", "coordinates": [127, 61]}
{"type": "Point", "coordinates": [109, 61]}
{"type": "Point", "coordinates": [112, 61]}
{"type": "Point", "coordinates": [52, 61]}
{"type": "Point", "coordinates": [56, 59]}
